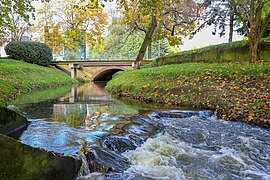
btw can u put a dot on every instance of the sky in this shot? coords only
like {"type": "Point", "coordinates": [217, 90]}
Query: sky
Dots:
{"type": "Point", "coordinates": [205, 38]}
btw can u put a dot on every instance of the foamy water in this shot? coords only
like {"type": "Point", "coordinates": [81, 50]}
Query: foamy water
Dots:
{"type": "Point", "coordinates": [197, 148]}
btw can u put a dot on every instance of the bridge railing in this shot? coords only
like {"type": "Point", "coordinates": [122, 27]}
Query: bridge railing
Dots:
{"type": "Point", "coordinates": [95, 60]}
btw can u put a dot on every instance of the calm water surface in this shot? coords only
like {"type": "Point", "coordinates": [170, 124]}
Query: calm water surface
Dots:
{"type": "Point", "coordinates": [159, 143]}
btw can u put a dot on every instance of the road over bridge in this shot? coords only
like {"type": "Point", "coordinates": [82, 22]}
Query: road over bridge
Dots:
{"type": "Point", "coordinates": [95, 70]}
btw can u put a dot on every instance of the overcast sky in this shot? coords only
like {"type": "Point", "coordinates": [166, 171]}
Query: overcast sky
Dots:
{"type": "Point", "coordinates": [205, 38]}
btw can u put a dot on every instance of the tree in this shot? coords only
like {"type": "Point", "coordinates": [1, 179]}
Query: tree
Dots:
{"type": "Point", "coordinates": [122, 43]}
{"type": "Point", "coordinates": [159, 19]}
{"type": "Point", "coordinates": [74, 23]}
{"type": "Point", "coordinates": [255, 16]}
{"type": "Point", "coordinates": [49, 28]}
{"type": "Point", "coordinates": [14, 18]}
{"type": "Point", "coordinates": [84, 22]}
{"type": "Point", "coordinates": [220, 14]}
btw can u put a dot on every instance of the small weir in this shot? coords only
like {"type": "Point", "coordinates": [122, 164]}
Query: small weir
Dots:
{"type": "Point", "coordinates": [118, 140]}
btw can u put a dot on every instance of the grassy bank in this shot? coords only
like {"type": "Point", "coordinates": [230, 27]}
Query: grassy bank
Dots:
{"type": "Point", "coordinates": [221, 53]}
{"type": "Point", "coordinates": [17, 77]}
{"type": "Point", "coordinates": [234, 91]}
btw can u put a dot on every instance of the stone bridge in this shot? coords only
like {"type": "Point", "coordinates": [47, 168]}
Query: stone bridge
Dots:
{"type": "Point", "coordinates": [95, 70]}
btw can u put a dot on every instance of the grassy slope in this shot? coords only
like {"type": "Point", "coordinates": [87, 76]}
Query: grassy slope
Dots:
{"type": "Point", "coordinates": [17, 77]}
{"type": "Point", "coordinates": [233, 91]}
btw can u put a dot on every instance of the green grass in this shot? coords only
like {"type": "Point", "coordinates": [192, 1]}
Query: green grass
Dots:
{"type": "Point", "coordinates": [17, 77]}
{"type": "Point", "coordinates": [234, 91]}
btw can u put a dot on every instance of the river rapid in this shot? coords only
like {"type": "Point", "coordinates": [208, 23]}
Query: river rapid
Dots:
{"type": "Point", "coordinates": [143, 141]}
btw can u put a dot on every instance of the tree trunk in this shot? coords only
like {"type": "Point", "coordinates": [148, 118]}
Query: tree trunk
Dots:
{"type": "Point", "coordinates": [146, 42]}
{"type": "Point", "coordinates": [231, 28]}
{"type": "Point", "coordinates": [254, 50]}
{"type": "Point", "coordinates": [149, 50]}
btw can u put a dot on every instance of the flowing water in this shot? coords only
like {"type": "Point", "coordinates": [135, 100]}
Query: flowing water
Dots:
{"type": "Point", "coordinates": [148, 141]}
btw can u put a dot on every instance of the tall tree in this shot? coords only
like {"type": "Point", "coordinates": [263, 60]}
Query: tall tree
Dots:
{"type": "Point", "coordinates": [220, 14]}
{"type": "Point", "coordinates": [14, 16]}
{"type": "Point", "coordinates": [73, 22]}
{"type": "Point", "coordinates": [255, 16]}
{"type": "Point", "coordinates": [49, 28]}
{"type": "Point", "coordinates": [159, 19]}
{"type": "Point", "coordinates": [123, 44]}
{"type": "Point", "coordinates": [83, 21]}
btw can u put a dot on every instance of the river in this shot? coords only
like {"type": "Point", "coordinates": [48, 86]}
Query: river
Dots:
{"type": "Point", "coordinates": [152, 141]}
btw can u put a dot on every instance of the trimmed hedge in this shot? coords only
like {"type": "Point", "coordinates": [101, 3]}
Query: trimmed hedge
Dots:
{"type": "Point", "coordinates": [31, 52]}
{"type": "Point", "coordinates": [229, 52]}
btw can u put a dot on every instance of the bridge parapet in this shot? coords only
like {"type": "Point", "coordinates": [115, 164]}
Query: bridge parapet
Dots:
{"type": "Point", "coordinates": [93, 69]}
{"type": "Point", "coordinates": [100, 63]}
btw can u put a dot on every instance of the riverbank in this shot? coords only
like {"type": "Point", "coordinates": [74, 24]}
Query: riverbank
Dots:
{"type": "Point", "coordinates": [17, 77]}
{"type": "Point", "coordinates": [222, 53]}
{"type": "Point", "coordinates": [238, 92]}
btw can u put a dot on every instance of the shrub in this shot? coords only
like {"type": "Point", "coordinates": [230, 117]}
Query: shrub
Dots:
{"type": "Point", "coordinates": [31, 52]}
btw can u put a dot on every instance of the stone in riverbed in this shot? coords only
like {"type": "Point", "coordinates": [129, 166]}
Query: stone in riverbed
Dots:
{"type": "Point", "coordinates": [177, 114]}
{"type": "Point", "coordinates": [19, 161]}
{"type": "Point", "coordinates": [206, 114]}
{"type": "Point", "coordinates": [185, 114]}
{"type": "Point", "coordinates": [148, 122]}
{"type": "Point", "coordinates": [118, 144]}
{"type": "Point", "coordinates": [104, 160]}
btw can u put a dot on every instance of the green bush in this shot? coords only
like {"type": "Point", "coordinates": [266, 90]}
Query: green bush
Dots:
{"type": "Point", "coordinates": [31, 52]}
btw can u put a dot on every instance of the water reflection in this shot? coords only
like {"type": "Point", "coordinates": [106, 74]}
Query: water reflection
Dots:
{"type": "Point", "coordinates": [86, 114]}
{"type": "Point", "coordinates": [80, 103]}
{"type": "Point", "coordinates": [87, 93]}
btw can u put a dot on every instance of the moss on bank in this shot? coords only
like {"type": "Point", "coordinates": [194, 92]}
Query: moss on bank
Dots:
{"type": "Point", "coordinates": [234, 91]}
{"type": "Point", "coordinates": [17, 77]}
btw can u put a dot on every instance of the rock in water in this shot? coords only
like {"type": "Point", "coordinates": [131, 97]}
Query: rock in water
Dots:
{"type": "Point", "coordinates": [104, 160]}
{"type": "Point", "coordinates": [177, 114]}
{"type": "Point", "coordinates": [19, 161]}
{"type": "Point", "coordinates": [206, 114]}
{"type": "Point", "coordinates": [118, 144]}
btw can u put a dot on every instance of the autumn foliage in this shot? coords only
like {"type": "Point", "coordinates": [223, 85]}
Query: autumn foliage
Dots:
{"type": "Point", "coordinates": [71, 24]}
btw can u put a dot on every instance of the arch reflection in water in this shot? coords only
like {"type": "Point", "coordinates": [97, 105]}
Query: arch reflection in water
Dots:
{"type": "Point", "coordinates": [87, 102]}
{"type": "Point", "coordinates": [87, 113]}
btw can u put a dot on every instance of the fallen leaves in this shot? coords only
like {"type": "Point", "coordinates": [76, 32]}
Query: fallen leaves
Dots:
{"type": "Point", "coordinates": [233, 91]}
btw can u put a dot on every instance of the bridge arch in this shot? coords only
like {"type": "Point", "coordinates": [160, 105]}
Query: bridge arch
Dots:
{"type": "Point", "coordinates": [106, 74]}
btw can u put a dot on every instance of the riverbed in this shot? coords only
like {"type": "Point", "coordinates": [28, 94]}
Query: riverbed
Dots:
{"type": "Point", "coordinates": [156, 142]}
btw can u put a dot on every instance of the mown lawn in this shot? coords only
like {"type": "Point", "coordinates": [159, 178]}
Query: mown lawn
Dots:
{"type": "Point", "coordinates": [237, 92]}
{"type": "Point", "coordinates": [17, 77]}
